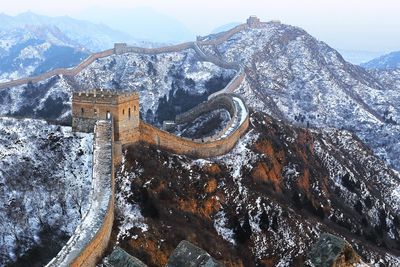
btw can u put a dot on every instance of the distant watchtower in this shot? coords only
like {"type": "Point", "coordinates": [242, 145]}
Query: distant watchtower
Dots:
{"type": "Point", "coordinates": [253, 22]}
{"type": "Point", "coordinates": [120, 48]}
{"type": "Point", "coordinates": [95, 105]}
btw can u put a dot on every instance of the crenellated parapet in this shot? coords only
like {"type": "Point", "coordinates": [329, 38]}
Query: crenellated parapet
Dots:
{"type": "Point", "coordinates": [110, 97]}
{"type": "Point", "coordinates": [253, 22]}
{"type": "Point", "coordinates": [123, 107]}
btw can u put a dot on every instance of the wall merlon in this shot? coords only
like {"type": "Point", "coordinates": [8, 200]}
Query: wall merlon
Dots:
{"type": "Point", "coordinates": [105, 96]}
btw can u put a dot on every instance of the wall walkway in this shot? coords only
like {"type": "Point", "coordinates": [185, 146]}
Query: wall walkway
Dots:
{"type": "Point", "coordinates": [91, 237]}
{"type": "Point", "coordinates": [61, 71]}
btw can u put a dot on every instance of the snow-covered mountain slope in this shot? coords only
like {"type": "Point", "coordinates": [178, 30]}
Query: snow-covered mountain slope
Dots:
{"type": "Point", "coordinates": [295, 77]}
{"type": "Point", "coordinates": [45, 173]}
{"type": "Point", "coordinates": [388, 62]}
{"type": "Point", "coordinates": [34, 50]}
{"type": "Point", "coordinates": [31, 44]}
{"type": "Point", "coordinates": [178, 81]}
{"type": "Point", "coordinates": [50, 99]}
{"type": "Point", "coordinates": [157, 78]}
{"type": "Point", "coordinates": [264, 203]}
{"type": "Point", "coordinates": [267, 201]}
{"type": "Point", "coordinates": [290, 75]}
{"type": "Point", "coordinates": [388, 78]}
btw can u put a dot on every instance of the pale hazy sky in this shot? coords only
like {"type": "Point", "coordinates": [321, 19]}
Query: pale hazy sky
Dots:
{"type": "Point", "coordinates": [372, 25]}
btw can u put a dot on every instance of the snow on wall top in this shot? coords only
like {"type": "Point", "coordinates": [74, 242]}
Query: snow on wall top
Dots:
{"type": "Point", "coordinates": [100, 197]}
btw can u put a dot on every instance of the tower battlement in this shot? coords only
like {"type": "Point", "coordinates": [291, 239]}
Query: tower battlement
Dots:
{"type": "Point", "coordinates": [104, 96]}
{"type": "Point", "coordinates": [253, 22]}
{"type": "Point", "coordinates": [91, 106]}
{"type": "Point", "coordinates": [120, 48]}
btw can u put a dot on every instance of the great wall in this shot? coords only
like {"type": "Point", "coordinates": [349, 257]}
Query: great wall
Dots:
{"type": "Point", "coordinates": [121, 48]}
{"type": "Point", "coordinates": [114, 119]}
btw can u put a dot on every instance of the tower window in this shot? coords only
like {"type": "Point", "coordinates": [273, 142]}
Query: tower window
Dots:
{"type": "Point", "coordinates": [134, 108]}
{"type": "Point", "coordinates": [123, 112]}
{"type": "Point", "coordinates": [95, 112]}
{"type": "Point", "coordinates": [82, 111]}
{"type": "Point", "coordinates": [129, 113]}
{"type": "Point", "coordinates": [108, 116]}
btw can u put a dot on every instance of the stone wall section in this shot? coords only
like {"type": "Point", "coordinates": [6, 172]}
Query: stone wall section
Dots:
{"type": "Point", "coordinates": [200, 148]}
{"type": "Point", "coordinates": [221, 101]}
{"type": "Point", "coordinates": [178, 145]}
{"type": "Point", "coordinates": [61, 71]}
{"type": "Point", "coordinates": [121, 48]}
{"type": "Point", "coordinates": [232, 85]}
{"type": "Point", "coordinates": [87, 245]}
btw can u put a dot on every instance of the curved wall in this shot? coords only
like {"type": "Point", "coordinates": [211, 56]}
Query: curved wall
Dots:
{"type": "Point", "coordinates": [210, 147]}
{"type": "Point", "coordinates": [221, 101]}
{"type": "Point", "coordinates": [178, 145]}
{"type": "Point", "coordinates": [123, 48]}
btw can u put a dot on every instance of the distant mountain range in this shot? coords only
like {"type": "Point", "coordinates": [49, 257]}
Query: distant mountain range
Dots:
{"type": "Point", "coordinates": [359, 57]}
{"type": "Point", "coordinates": [32, 50]}
{"type": "Point", "coordinates": [388, 61]}
{"type": "Point", "coordinates": [31, 44]}
{"type": "Point", "coordinates": [94, 37]}
{"type": "Point", "coordinates": [142, 23]}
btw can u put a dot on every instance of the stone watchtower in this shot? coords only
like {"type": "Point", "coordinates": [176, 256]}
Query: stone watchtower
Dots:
{"type": "Point", "coordinates": [95, 105]}
{"type": "Point", "coordinates": [253, 22]}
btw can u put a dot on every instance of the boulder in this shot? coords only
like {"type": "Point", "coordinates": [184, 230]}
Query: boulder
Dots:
{"type": "Point", "coordinates": [120, 258]}
{"type": "Point", "coordinates": [333, 251]}
{"type": "Point", "coordinates": [188, 255]}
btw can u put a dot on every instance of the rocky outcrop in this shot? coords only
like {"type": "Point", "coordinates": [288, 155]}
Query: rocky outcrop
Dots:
{"type": "Point", "coordinates": [120, 258]}
{"type": "Point", "coordinates": [189, 255]}
{"type": "Point", "coordinates": [333, 251]}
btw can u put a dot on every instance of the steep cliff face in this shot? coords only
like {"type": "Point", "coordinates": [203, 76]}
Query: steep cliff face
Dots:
{"type": "Point", "coordinates": [264, 203]}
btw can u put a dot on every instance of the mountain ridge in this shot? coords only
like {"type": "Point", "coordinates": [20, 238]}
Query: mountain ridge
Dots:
{"type": "Point", "coordinates": [92, 36]}
{"type": "Point", "coordinates": [385, 62]}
